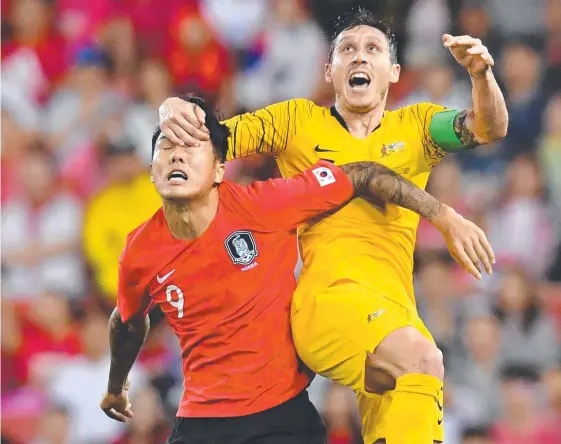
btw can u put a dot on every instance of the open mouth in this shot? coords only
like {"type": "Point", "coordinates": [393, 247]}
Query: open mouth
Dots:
{"type": "Point", "coordinates": [359, 81]}
{"type": "Point", "coordinates": [177, 176]}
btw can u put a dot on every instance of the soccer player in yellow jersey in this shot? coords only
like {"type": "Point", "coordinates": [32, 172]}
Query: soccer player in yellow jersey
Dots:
{"type": "Point", "coordinates": [354, 317]}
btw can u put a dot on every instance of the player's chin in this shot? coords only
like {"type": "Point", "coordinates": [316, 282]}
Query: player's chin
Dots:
{"type": "Point", "coordinates": [361, 101]}
{"type": "Point", "coordinates": [177, 193]}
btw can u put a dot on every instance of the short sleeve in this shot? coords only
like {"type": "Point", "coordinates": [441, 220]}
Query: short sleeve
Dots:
{"type": "Point", "coordinates": [268, 130]}
{"type": "Point", "coordinates": [131, 295]}
{"type": "Point", "coordinates": [283, 204]}
{"type": "Point", "coordinates": [423, 114]}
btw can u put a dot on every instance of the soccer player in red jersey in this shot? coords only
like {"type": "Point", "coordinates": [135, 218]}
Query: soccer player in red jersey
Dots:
{"type": "Point", "coordinates": [219, 258]}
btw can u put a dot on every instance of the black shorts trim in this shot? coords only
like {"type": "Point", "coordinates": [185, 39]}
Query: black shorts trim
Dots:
{"type": "Point", "coordinates": [295, 421]}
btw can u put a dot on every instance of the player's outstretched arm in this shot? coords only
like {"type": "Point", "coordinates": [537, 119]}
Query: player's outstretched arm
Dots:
{"type": "Point", "coordinates": [465, 240]}
{"type": "Point", "coordinates": [126, 340]}
{"type": "Point", "coordinates": [488, 120]}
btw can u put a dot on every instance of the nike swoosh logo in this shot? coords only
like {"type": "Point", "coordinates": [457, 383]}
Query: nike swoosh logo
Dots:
{"type": "Point", "coordinates": [162, 279]}
{"type": "Point", "coordinates": [327, 160]}
{"type": "Point", "coordinates": [317, 149]}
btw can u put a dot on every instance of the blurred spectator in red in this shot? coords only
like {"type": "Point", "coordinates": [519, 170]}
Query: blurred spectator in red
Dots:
{"type": "Point", "coordinates": [340, 416]}
{"type": "Point", "coordinates": [118, 39]}
{"type": "Point", "coordinates": [78, 385]}
{"type": "Point", "coordinates": [520, 67]}
{"type": "Point", "coordinates": [154, 86]}
{"type": "Point", "coordinates": [550, 156]}
{"type": "Point", "coordinates": [198, 62]}
{"type": "Point", "coordinates": [54, 426]}
{"type": "Point", "coordinates": [41, 234]}
{"type": "Point", "coordinates": [148, 425]}
{"type": "Point", "coordinates": [128, 200]}
{"type": "Point", "coordinates": [77, 114]}
{"type": "Point", "coordinates": [522, 419]}
{"type": "Point", "coordinates": [519, 228]}
{"type": "Point", "coordinates": [81, 22]}
{"type": "Point", "coordinates": [47, 339]}
{"type": "Point", "coordinates": [528, 334]}
{"type": "Point", "coordinates": [284, 73]}
{"type": "Point", "coordinates": [33, 59]}
{"type": "Point", "coordinates": [474, 371]}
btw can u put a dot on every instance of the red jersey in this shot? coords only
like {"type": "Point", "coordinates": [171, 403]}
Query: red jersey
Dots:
{"type": "Point", "coordinates": [227, 293]}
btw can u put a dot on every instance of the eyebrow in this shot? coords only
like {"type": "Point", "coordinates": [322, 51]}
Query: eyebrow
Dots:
{"type": "Point", "coordinates": [372, 37]}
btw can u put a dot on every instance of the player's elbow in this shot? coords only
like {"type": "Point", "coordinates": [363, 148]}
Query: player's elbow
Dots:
{"type": "Point", "coordinates": [495, 131]}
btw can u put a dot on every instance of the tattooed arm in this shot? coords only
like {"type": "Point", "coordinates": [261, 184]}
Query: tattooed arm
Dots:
{"type": "Point", "coordinates": [374, 181]}
{"type": "Point", "coordinates": [126, 340]}
{"type": "Point", "coordinates": [466, 242]}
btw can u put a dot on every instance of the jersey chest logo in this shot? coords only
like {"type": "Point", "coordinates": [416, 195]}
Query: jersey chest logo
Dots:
{"type": "Point", "coordinates": [395, 147]}
{"type": "Point", "coordinates": [241, 247]}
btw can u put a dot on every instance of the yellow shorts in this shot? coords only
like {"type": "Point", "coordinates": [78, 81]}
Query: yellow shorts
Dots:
{"type": "Point", "coordinates": [334, 329]}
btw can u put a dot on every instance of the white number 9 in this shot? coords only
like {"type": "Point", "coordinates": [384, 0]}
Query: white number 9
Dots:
{"type": "Point", "coordinates": [175, 303]}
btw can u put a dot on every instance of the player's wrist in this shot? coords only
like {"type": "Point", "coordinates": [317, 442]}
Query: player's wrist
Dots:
{"type": "Point", "coordinates": [115, 388]}
{"type": "Point", "coordinates": [479, 76]}
{"type": "Point", "coordinates": [444, 217]}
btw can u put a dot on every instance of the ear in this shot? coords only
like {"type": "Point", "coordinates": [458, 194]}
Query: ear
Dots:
{"type": "Point", "coordinates": [219, 173]}
{"type": "Point", "coordinates": [328, 78]}
{"type": "Point", "coordinates": [394, 73]}
{"type": "Point", "coordinates": [151, 177]}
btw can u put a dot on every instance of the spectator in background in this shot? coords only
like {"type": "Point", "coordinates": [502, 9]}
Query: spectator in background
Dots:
{"type": "Point", "coordinates": [437, 302]}
{"type": "Point", "coordinates": [54, 426]}
{"type": "Point", "coordinates": [283, 73]}
{"type": "Point", "coordinates": [340, 416]}
{"type": "Point", "coordinates": [77, 385]}
{"type": "Point", "coordinates": [33, 59]}
{"type": "Point", "coordinates": [47, 338]}
{"type": "Point", "coordinates": [41, 234]}
{"type": "Point", "coordinates": [154, 86]}
{"type": "Point", "coordinates": [128, 200]}
{"type": "Point", "coordinates": [550, 156]}
{"type": "Point", "coordinates": [521, 420]}
{"type": "Point", "coordinates": [552, 20]}
{"type": "Point", "coordinates": [477, 435]}
{"type": "Point", "coordinates": [528, 335]}
{"type": "Point", "coordinates": [78, 113]}
{"type": "Point", "coordinates": [148, 425]}
{"type": "Point", "coordinates": [474, 374]}
{"type": "Point", "coordinates": [516, 17]}
{"type": "Point", "coordinates": [552, 383]}
{"type": "Point", "coordinates": [438, 85]}
{"type": "Point", "coordinates": [198, 62]}
{"type": "Point", "coordinates": [519, 228]}
{"type": "Point", "coordinates": [520, 68]}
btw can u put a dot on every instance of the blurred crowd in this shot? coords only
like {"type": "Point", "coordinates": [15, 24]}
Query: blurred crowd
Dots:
{"type": "Point", "coordinates": [81, 85]}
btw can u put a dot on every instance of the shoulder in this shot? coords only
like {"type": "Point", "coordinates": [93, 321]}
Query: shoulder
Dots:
{"type": "Point", "coordinates": [141, 239]}
{"type": "Point", "coordinates": [418, 112]}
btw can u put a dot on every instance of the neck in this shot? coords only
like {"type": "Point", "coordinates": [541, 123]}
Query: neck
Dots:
{"type": "Point", "coordinates": [188, 220]}
{"type": "Point", "coordinates": [360, 125]}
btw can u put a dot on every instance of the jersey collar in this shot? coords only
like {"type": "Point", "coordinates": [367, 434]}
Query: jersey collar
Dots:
{"type": "Point", "coordinates": [341, 121]}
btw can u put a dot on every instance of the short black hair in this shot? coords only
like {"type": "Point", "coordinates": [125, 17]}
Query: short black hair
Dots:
{"type": "Point", "coordinates": [511, 372]}
{"type": "Point", "coordinates": [363, 17]}
{"type": "Point", "coordinates": [476, 432]}
{"type": "Point", "coordinates": [219, 132]}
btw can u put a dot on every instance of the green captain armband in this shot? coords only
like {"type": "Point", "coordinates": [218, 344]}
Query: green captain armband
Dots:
{"type": "Point", "coordinates": [442, 131]}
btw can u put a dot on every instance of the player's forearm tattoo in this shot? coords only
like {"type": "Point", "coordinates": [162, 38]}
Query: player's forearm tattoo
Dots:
{"type": "Point", "coordinates": [372, 180]}
{"type": "Point", "coordinates": [466, 136]}
{"type": "Point", "coordinates": [126, 341]}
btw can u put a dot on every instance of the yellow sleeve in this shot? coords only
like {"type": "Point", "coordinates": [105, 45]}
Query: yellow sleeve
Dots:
{"type": "Point", "coordinates": [268, 130]}
{"type": "Point", "coordinates": [423, 114]}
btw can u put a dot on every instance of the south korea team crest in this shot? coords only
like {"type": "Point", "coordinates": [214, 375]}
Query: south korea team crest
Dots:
{"type": "Point", "coordinates": [241, 247]}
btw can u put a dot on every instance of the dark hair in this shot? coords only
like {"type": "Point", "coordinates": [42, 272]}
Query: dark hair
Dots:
{"type": "Point", "coordinates": [219, 132]}
{"type": "Point", "coordinates": [363, 17]}
{"type": "Point", "coordinates": [519, 372]}
{"type": "Point", "coordinates": [476, 432]}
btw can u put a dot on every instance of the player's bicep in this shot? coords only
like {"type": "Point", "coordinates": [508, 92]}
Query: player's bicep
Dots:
{"type": "Point", "coordinates": [453, 130]}
{"type": "Point", "coordinates": [284, 204]}
{"type": "Point", "coordinates": [268, 130]}
{"type": "Point", "coordinates": [132, 300]}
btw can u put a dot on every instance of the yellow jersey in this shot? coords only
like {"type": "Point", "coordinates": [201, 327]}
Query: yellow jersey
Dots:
{"type": "Point", "coordinates": [360, 242]}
